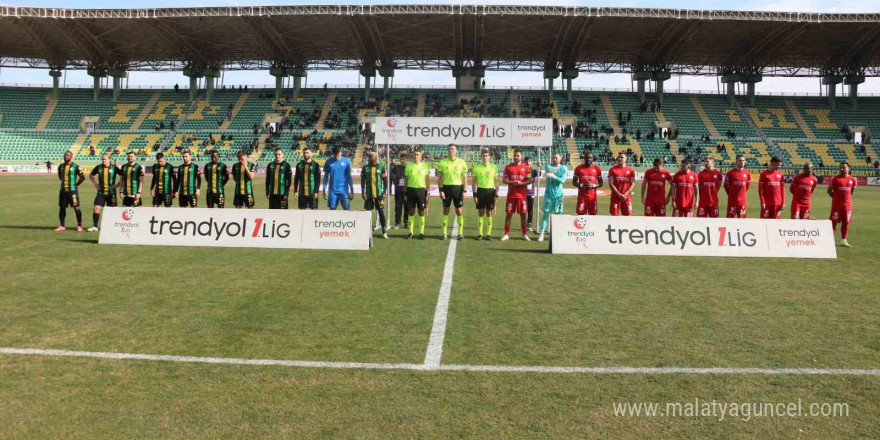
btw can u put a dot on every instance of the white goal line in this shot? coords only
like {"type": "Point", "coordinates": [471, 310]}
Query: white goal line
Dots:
{"type": "Point", "coordinates": [448, 367]}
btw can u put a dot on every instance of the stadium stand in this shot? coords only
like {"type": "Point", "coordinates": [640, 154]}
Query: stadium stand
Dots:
{"type": "Point", "coordinates": [36, 127]}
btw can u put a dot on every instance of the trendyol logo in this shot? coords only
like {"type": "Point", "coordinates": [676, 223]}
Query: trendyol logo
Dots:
{"type": "Point", "coordinates": [220, 229]}
{"type": "Point", "coordinates": [580, 235]}
{"type": "Point", "coordinates": [126, 225]}
{"type": "Point", "coordinates": [335, 228]}
{"type": "Point", "coordinates": [682, 237]}
{"type": "Point", "coordinates": [391, 123]}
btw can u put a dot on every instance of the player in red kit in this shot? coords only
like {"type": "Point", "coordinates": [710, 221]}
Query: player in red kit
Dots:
{"type": "Point", "coordinates": [802, 187]}
{"type": "Point", "coordinates": [771, 190]}
{"type": "Point", "coordinates": [587, 178]}
{"type": "Point", "coordinates": [654, 195]}
{"type": "Point", "coordinates": [621, 179]}
{"type": "Point", "coordinates": [709, 184]}
{"type": "Point", "coordinates": [841, 189]}
{"type": "Point", "coordinates": [517, 177]}
{"type": "Point", "coordinates": [683, 192]}
{"type": "Point", "coordinates": [736, 185]}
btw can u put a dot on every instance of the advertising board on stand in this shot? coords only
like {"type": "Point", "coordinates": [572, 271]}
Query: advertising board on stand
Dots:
{"type": "Point", "coordinates": [709, 237]}
{"type": "Point", "coordinates": [256, 228]}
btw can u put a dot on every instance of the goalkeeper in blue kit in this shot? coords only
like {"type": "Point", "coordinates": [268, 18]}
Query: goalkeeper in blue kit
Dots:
{"type": "Point", "coordinates": [555, 173]}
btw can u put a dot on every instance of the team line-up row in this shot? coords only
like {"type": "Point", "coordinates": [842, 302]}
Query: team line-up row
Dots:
{"type": "Point", "coordinates": [687, 190]}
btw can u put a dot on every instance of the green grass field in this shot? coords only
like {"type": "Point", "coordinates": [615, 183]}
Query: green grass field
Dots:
{"type": "Point", "coordinates": [512, 304]}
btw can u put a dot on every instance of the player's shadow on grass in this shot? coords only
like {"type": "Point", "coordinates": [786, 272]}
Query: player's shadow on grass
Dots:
{"type": "Point", "coordinates": [86, 241]}
{"type": "Point", "coordinates": [26, 227]}
{"type": "Point", "coordinates": [522, 251]}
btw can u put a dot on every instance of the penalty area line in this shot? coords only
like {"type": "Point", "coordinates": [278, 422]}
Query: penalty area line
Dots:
{"type": "Point", "coordinates": [422, 367]}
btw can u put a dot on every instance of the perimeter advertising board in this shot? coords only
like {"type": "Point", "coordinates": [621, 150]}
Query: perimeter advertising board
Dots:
{"type": "Point", "coordinates": [257, 228]}
{"type": "Point", "coordinates": [707, 237]}
{"type": "Point", "coordinates": [464, 131]}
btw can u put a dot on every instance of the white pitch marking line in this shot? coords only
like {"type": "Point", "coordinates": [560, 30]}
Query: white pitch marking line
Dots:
{"type": "Point", "coordinates": [422, 367]}
{"type": "Point", "coordinates": [438, 331]}
{"type": "Point", "coordinates": [210, 360]}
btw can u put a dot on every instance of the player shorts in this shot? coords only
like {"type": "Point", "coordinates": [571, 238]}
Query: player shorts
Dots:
{"type": "Point", "coordinates": [737, 211]}
{"type": "Point", "coordinates": [277, 202]}
{"type": "Point", "coordinates": [486, 199]}
{"type": "Point", "coordinates": [307, 202]}
{"type": "Point", "coordinates": [683, 211]}
{"type": "Point", "coordinates": [587, 205]}
{"type": "Point", "coordinates": [840, 215]}
{"type": "Point", "coordinates": [708, 211]}
{"type": "Point", "coordinates": [516, 206]}
{"type": "Point", "coordinates": [800, 212]}
{"type": "Point", "coordinates": [68, 198]}
{"type": "Point", "coordinates": [215, 201]}
{"type": "Point", "coordinates": [132, 201]}
{"type": "Point", "coordinates": [619, 207]}
{"type": "Point", "coordinates": [162, 199]}
{"type": "Point", "coordinates": [243, 200]}
{"type": "Point", "coordinates": [771, 212]}
{"type": "Point", "coordinates": [102, 199]}
{"type": "Point", "coordinates": [334, 199]}
{"type": "Point", "coordinates": [655, 210]}
{"type": "Point", "coordinates": [187, 201]}
{"type": "Point", "coordinates": [552, 205]}
{"type": "Point", "coordinates": [371, 203]}
{"type": "Point", "coordinates": [416, 198]}
{"type": "Point", "coordinates": [453, 195]}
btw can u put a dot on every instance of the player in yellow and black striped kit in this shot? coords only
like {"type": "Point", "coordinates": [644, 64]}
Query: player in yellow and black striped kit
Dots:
{"type": "Point", "coordinates": [278, 180]}
{"type": "Point", "coordinates": [104, 178]}
{"type": "Point", "coordinates": [71, 176]}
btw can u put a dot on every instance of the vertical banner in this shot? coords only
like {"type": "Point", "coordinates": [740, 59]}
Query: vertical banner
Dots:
{"type": "Point", "coordinates": [257, 228]}
{"type": "Point", "coordinates": [465, 131]}
{"type": "Point", "coordinates": [708, 237]}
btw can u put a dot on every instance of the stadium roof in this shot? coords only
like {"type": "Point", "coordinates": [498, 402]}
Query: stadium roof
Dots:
{"type": "Point", "coordinates": [590, 39]}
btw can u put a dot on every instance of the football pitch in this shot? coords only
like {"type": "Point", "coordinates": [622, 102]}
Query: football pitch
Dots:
{"type": "Point", "coordinates": [179, 342]}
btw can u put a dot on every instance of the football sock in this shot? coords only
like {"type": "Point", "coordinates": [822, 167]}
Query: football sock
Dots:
{"type": "Point", "coordinates": [445, 224]}
{"type": "Point", "coordinates": [421, 224]}
{"type": "Point", "coordinates": [382, 219]}
{"type": "Point", "coordinates": [489, 226]}
{"type": "Point", "coordinates": [95, 218]}
{"type": "Point", "coordinates": [480, 225]}
{"type": "Point", "coordinates": [62, 213]}
{"type": "Point", "coordinates": [461, 225]}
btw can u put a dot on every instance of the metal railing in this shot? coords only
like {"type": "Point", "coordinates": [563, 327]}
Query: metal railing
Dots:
{"type": "Point", "coordinates": [449, 87]}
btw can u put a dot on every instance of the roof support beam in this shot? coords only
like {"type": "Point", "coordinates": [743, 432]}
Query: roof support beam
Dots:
{"type": "Point", "coordinates": [289, 47]}
{"type": "Point", "coordinates": [478, 39]}
{"type": "Point", "coordinates": [580, 39]}
{"type": "Point", "coordinates": [376, 38]}
{"type": "Point", "coordinates": [54, 55]}
{"type": "Point", "coordinates": [275, 46]}
{"type": "Point", "coordinates": [775, 40]}
{"type": "Point", "coordinates": [857, 49]}
{"type": "Point", "coordinates": [368, 55]}
{"type": "Point", "coordinates": [561, 40]}
{"type": "Point", "coordinates": [163, 30]}
{"type": "Point", "coordinates": [458, 37]}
